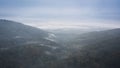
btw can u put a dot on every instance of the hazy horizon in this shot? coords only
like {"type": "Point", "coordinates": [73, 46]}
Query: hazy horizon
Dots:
{"type": "Point", "coordinates": [59, 33]}
{"type": "Point", "coordinates": [62, 13]}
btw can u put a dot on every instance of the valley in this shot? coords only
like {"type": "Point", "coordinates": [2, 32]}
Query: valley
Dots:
{"type": "Point", "coordinates": [23, 46]}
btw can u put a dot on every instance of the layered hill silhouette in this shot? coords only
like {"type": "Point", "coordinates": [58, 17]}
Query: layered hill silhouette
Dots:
{"type": "Point", "coordinates": [12, 33]}
{"type": "Point", "coordinates": [96, 50]}
{"type": "Point", "coordinates": [23, 46]}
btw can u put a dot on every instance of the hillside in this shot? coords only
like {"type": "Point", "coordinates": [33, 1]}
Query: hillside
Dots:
{"type": "Point", "coordinates": [23, 46]}
{"type": "Point", "coordinates": [95, 50]}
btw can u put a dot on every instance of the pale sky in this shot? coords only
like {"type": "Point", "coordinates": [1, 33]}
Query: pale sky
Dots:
{"type": "Point", "coordinates": [62, 13]}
